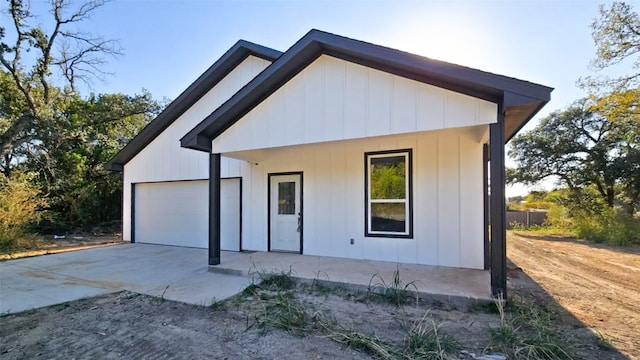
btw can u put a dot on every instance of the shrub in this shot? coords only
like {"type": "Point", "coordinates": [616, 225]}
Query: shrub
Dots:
{"type": "Point", "coordinates": [20, 206]}
{"type": "Point", "coordinates": [558, 217]}
{"type": "Point", "coordinates": [609, 226]}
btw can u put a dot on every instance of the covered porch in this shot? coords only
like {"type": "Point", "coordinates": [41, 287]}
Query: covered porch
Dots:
{"type": "Point", "coordinates": [444, 283]}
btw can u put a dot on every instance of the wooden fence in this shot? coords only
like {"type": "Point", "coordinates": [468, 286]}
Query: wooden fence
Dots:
{"type": "Point", "coordinates": [525, 218]}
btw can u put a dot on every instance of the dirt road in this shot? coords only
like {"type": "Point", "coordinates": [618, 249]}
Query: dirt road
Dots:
{"type": "Point", "coordinates": [598, 284]}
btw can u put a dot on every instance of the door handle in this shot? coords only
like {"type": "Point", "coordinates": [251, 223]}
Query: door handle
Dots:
{"type": "Point", "coordinates": [299, 222]}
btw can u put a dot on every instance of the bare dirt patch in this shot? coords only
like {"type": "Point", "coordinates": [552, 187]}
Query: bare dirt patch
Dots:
{"type": "Point", "coordinates": [597, 284]}
{"type": "Point", "coordinates": [290, 322]}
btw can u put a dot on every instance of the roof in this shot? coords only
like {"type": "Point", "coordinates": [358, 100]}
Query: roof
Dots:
{"type": "Point", "coordinates": [214, 74]}
{"type": "Point", "coordinates": [521, 99]}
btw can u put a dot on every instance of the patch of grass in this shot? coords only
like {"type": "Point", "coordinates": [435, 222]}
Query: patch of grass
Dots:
{"type": "Point", "coordinates": [484, 307]}
{"type": "Point", "coordinates": [526, 333]}
{"type": "Point", "coordinates": [284, 311]}
{"type": "Point", "coordinates": [274, 280]}
{"type": "Point", "coordinates": [62, 306]}
{"type": "Point", "coordinates": [250, 290]}
{"type": "Point", "coordinates": [368, 344]}
{"type": "Point", "coordinates": [547, 230]}
{"type": "Point", "coordinates": [396, 292]}
{"type": "Point", "coordinates": [218, 305]}
{"type": "Point", "coordinates": [602, 342]}
{"type": "Point", "coordinates": [425, 341]}
{"type": "Point", "coordinates": [10, 244]}
{"type": "Point", "coordinates": [161, 299]}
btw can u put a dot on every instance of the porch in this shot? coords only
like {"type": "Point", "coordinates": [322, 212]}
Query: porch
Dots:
{"type": "Point", "coordinates": [443, 282]}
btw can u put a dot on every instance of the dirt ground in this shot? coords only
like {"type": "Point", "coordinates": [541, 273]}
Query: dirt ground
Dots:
{"type": "Point", "coordinates": [133, 326]}
{"type": "Point", "coordinates": [597, 284]}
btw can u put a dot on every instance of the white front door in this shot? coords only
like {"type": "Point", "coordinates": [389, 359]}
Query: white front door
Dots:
{"type": "Point", "coordinates": [285, 213]}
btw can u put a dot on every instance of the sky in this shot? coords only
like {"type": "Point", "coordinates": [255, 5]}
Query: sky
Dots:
{"type": "Point", "coordinates": [168, 44]}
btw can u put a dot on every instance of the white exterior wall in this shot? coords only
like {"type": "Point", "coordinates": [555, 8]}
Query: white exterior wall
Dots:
{"type": "Point", "coordinates": [164, 160]}
{"type": "Point", "coordinates": [333, 99]}
{"type": "Point", "coordinates": [447, 188]}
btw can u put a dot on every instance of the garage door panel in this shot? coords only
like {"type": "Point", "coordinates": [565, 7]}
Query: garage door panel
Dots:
{"type": "Point", "coordinates": [176, 213]}
{"type": "Point", "coordinates": [172, 213]}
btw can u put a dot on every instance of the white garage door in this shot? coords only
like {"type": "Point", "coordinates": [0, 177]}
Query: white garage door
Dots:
{"type": "Point", "coordinates": [176, 213]}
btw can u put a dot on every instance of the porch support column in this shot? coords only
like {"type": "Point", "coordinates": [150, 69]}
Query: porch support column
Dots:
{"type": "Point", "coordinates": [485, 195]}
{"type": "Point", "coordinates": [214, 209]}
{"type": "Point", "coordinates": [497, 207]}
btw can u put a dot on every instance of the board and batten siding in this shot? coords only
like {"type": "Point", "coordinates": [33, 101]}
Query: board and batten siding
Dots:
{"type": "Point", "coordinates": [333, 99]}
{"type": "Point", "coordinates": [164, 160]}
{"type": "Point", "coordinates": [448, 198]}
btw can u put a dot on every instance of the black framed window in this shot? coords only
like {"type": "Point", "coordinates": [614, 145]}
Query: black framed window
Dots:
{"type": "Point", "coordinates": [388, 194]}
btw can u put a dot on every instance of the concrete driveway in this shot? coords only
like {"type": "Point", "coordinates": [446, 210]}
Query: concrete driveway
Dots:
{"type": "Point", "coordinates": [180, 273]}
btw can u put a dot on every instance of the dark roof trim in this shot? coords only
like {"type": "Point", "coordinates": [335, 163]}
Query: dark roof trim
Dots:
{"type": "Point", "coordinates": [214, 74]}
{"type": "Point", "coordinates": [457, 78]}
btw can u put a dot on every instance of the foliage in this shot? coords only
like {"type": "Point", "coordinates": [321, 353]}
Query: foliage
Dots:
{"type": "Point", "coordinates": [526, 332]}
{"type": "Point", "coordinates": [425, 340]}
{"type": "Point", "coordinates": [20, 206]}
{"type": "Point", "coordinates": [608, 225]}
{"type": "Point", "coordinates": [72, 156]}
{"type": "Point", "coordinates": [396, 292]}
{"type": "Point", "coordinates": [616, 34]}
{"type": "Point", "coordinates": [272, 280]}
{"type": "Point", "coordinates": [558, 218]}
{"type": "Point", "coordinates": [581, 148]}
{"type": "Point", "coordinates": [388, 179]}
{"type": "Point", "coordinates": [47, 128]}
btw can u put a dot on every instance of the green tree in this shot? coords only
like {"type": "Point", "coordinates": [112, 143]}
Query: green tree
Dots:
{"type": "Point", "coordinates": [582, 149]}
{"type": "Point", "coordinates": [47, 128]}
{"type": "Point", "coordinates": [616, 35]}
{"type": "Point", "coordinates": [72, 153]}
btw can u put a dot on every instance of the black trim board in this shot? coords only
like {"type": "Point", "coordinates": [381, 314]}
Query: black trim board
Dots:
{"type": "Point", "coordinates": [527, 97]}
{"type": "Point", "coordinates": [214, 209]}
{"type": "Point", "coordinates": [485, 200]}
{"type": "Point", "coordinates": [239, 207]}
{"type": "Point", "coordinates": [366, 193]}
{"type": "Point", "coordinates": [214, 74]}
{"type": "Point", "coordinates": [133, 213]}
{"type": "Point", "coordinates": [168, 181]}
{"type": "Point", "coordinates": [497, 207]}
{"type": "Point", "coordinates": [269, 175]}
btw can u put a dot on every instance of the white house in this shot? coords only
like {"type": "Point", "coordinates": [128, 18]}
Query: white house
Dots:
{"type": "Point", "coordinates": [335, 147]}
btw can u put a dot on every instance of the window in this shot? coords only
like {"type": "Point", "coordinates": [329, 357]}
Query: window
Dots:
{"type": "Point", "coordinates": [286, 198]}
{"type": "Point", "coordinates": [388, 194]}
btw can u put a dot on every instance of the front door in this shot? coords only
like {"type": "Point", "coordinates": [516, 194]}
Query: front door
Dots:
{"type": "Point", "coordinates": [285, 212]}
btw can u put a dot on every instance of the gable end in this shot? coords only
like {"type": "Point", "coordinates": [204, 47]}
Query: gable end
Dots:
{"type": "Point", "coordinates": [476, 83]}
{"type": "Point", "coordinates": [214, 74]}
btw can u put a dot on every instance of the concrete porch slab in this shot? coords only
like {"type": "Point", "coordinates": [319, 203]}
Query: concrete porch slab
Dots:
{"type": "Point", "coordinates": [429, 280]}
